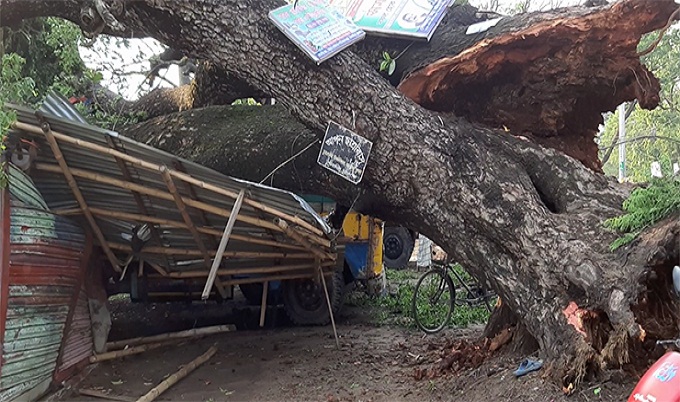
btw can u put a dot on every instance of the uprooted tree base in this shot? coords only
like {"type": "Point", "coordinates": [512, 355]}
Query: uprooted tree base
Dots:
{"type": "Point", "coordinates": [525, 219]}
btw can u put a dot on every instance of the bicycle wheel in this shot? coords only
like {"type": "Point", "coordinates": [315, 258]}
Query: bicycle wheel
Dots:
{"type": "Point", "coordinates": [433, 301]}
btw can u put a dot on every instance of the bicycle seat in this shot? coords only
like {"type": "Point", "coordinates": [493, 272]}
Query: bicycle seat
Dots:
{"type": "Point", "coordinates": [676, 280]}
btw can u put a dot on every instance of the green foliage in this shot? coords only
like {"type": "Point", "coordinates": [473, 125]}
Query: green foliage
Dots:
{"type": "Point", "coordinates": [248, 102]}
{"type": "Point", "coordinates": [388, 64]}
{"type": "Point", "coordinates": [645, 207]}
{"type": "Point", "coordinates": [664, 121]}
{"type": "Point", "coordinates": [14, 87]}
{"type": "Point", "coordinates": [49, 47]}
{"type": "Point", "coordinates": [395, 308]}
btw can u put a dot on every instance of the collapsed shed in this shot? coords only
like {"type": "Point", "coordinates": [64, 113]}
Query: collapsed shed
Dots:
{"type": "Point", "coordinates": [88, 213]}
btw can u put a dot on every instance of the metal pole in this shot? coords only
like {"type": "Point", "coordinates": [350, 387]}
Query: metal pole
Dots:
{"type": "Point", "coordinates": [622, 142]}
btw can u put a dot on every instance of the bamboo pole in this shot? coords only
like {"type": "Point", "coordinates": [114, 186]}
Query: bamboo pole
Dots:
{"type": "Point", "coordinates": [295, 235]}
{"type": "Point", "coordinates": [71, 181]}
{"type": "Point", "coordinates": [190, 333]}
{"type": "Point", "coordinates": [223, 244]}
{"type": "Point", "coordinates": [182, 176]}
{"type": "Point", "coordinates": [98, 394]}
{"type": "Point", "coordinates": [330, 307]}
{"type": "Point", "coordinates": [99, 178]}
{"type": "Point", "coordinates": [177, 224]}
{"type": "Point", "coordinates": [126, 352]}
{"type": "Point", "coordinates": [196, 253]}
{"type": "Point", "coordinates": [263, 306]}
{"type": "Point", "coordinates": [173, 379]}
{"type": "Point", "coordinates": [250, 270]}
{"type": "Point", "coordinates": [167, 178]}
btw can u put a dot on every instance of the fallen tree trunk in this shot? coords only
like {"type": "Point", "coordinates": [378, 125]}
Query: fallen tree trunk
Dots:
{"type": "Point", "coordinates": [525, 219]}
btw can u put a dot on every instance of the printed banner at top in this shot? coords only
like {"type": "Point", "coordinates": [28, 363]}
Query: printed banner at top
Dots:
{"type": "Point", "coordinates": [319, 31]}
{"type": "Point", "coordinates": [405, 18]}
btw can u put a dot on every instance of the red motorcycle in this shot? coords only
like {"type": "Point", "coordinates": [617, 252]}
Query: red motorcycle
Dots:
{"type": "Point", "coordinates": [661, 383]}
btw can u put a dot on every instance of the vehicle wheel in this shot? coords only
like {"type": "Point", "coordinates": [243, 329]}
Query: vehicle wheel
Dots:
{"type": "Point", "coordinates": [253, 293]}
{"type": "Point", "coordinates": [398, 245]}
{"type": "Point", "coordinates": [305, 301]}
{"type": "Point", "coordinates": [433, 301]}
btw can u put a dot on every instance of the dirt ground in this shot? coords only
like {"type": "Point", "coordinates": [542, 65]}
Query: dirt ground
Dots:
{"type": "Point", "coordinates": [283, 362]}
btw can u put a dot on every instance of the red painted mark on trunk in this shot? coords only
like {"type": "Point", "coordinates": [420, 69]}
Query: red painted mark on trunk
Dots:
{"type": "Point", "coordinates": [574, 316]}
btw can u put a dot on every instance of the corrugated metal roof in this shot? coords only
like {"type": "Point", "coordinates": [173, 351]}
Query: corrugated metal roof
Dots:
{"type": "Point", "coordinates": [143, 192]}
{"type": "Point", "coordinates": [57, 105]}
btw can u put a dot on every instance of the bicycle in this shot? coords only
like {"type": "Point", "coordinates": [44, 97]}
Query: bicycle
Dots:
{"type": "Point", "coordinates": [434, 298]}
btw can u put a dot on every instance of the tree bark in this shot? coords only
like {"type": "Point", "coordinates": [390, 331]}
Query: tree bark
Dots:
{"type": "Point", "coordinates": [525, 219]}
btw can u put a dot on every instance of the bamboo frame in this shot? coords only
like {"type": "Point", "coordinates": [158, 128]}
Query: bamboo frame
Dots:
{"type": "Point", "coordinates": [177, 224]}
{"type": "Point", "coordinates": [102, 179]}
{"type": "Point", "coordinates": [179, 175]}
{"type": "Point", "coordinates": [223, 244]}
{"type": "Point", "coordinates": [71, 181]}
{"type": "Point", "coordinates": [190, 224]}
{"type": "Point", "coordinates": [196, 253]}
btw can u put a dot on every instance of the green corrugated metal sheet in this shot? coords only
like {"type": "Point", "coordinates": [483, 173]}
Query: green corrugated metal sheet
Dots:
{"type": "Point", "coordinates": [45, 264]}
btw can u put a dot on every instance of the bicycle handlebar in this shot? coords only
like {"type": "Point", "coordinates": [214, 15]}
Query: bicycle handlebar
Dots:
{"type": "Point", "coordinates": [672, 342]}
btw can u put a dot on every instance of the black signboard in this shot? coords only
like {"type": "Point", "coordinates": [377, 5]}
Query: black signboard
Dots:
{"type": "Point", "coordinates": [344, 152]}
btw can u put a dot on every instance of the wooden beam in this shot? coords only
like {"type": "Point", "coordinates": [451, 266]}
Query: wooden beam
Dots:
{"type": "Point", "coordinates": [71, 181]}
{"type": "Point", "coordinates": [223, 244]}
{"type": "Point", "coordinates": [167, 178]}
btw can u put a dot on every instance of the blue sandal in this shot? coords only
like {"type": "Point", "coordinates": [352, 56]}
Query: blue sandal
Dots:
{"type": "Point", "coordinates": [527, 366]}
